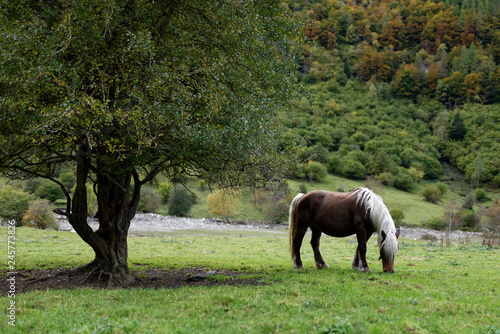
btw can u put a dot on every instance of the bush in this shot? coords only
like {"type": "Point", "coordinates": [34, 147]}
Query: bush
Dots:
{"type": "Point", "coordinates": [354, 169]}
{"type": "Point", "coordinates": [49, 190]}
{"type": "Point", "coordinates": [180, 202]}
{"type": "Point", "coordinates": [480, 195]}
{"type": "Point", "coordinates": [494, 217]}
{"type": "Point", "coordinates": [164, 190]}
{"type": "Point", "coordinates": [496, 180]}
{"type": "Point", "coordinates": [436, 223]}
{"type": "Point", "coordinates": [468, 219]}
{"type": "Point", "coordinates": [150, 201]}
{"type": "Point", "coordinates": [404, 180]}
{"type": "Point", "coordinates": [40, 215]}
{"type": "Point", "coordinates": [386, 178]}
{"type": "Point", "coordinates": [277, 212]}
{"type": "Point", "coordinates": [397, 215]}
{"type": "Point", "coordinates": [334, 164]}
{"type": "Point", "coordinates": [318, 153]}
{"type": "Point", "coordinates": [443, 188]}
{"type": "Point", "coordinates": [222, 203]}
{"type": "Point", "coordinates": [431, 194]}
{"type": "Point", "coordinates": [315, 171]}
{"type": "Point", "coordinates": [469, 201]}
{"type": "Point", "coordinates": [14, 203]}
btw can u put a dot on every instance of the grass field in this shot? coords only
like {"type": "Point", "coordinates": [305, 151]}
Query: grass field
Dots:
{"type": "Point", "coordinates": [435, 289]}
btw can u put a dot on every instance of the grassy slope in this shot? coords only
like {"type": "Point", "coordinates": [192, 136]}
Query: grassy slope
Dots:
{"type": "Point", "coordinates": [434, 289]}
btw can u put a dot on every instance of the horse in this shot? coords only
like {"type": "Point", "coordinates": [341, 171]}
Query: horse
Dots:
{"type": "Point", "coordinates": [359, 212]}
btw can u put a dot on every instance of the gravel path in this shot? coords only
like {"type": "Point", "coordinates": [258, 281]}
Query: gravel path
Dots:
{"type": "Point", "coordinates": [151, 222]}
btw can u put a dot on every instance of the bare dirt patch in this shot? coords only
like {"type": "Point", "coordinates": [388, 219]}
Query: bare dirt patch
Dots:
{"type": "Point", "coordinates": [149, 278]}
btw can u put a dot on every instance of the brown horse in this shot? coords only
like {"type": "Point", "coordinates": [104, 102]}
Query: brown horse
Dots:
{"type": "Point", "coordinates": [359, 212]}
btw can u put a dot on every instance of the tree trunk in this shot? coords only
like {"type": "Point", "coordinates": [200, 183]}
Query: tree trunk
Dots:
{"type": "Point", "coordinates": [115, 211]}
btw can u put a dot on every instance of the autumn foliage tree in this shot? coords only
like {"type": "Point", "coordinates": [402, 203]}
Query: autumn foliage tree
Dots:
{"type": "Point", "coordinates": [123, 90]}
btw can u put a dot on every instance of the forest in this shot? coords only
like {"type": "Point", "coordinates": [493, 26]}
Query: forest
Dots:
{"type": "Point", "coordinates": [401, 90]}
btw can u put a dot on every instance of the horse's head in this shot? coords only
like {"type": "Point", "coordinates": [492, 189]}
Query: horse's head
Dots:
{"type": "Point", "coordinates": [388, 250]}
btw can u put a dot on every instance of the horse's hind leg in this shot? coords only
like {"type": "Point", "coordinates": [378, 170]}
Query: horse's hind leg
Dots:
{"type": "Point", "coordinates": [318, 259]}
{"type": "Point", "coordinates": [296, 244]}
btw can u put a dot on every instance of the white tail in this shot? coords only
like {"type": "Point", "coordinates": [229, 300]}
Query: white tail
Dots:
{"type": "Point", "coordinates": [292, 223]}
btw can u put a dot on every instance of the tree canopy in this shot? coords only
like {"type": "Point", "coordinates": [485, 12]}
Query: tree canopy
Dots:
{"type": "Point", "coordinates": [123, 90]}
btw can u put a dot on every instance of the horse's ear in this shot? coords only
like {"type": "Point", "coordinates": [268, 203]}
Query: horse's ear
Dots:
{"type": "Point", "coordinates": [398, 231]}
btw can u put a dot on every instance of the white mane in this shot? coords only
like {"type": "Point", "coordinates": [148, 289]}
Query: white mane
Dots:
{"type": "Point", "coordinates": [381, 220]}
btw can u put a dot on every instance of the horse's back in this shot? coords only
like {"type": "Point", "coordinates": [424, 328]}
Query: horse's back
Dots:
{"type": "Point", "coordinates": [331, 212]}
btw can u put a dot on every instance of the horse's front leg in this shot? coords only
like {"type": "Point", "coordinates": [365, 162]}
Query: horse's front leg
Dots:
{"type": "Point", "coordinates": [359, 261]}
{"type": "Point", "coordinates": [318, 259]}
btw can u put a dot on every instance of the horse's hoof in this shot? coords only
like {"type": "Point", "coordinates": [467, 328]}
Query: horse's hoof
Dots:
{"type": "Point", "coordinates": [299, 267]}
{"type": "Point", "coordinates": [321, 265]}
{"type": "Point", "coordinates": [365, 269]}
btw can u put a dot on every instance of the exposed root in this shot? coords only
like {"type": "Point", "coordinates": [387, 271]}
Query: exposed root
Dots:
{"type": "Point", "coordinates": [40, 279]}
{"type": "Point", "coordinates": [78, 270]}
{"type": "Point", "coordinates": [90, 274]}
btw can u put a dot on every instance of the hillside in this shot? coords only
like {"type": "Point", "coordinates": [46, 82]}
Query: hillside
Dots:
{"type": "Point", "coordinates": [401, 90]}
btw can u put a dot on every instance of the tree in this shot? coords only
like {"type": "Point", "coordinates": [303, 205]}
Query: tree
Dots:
{"type": "Point", "coordinates": [124, 90]}
{"type": "Point", "coordinates": [478, 169]}
{"type": "Point", "coordinates": [458, 129]}
{"type": "Point", "coordinates": [406, 82]}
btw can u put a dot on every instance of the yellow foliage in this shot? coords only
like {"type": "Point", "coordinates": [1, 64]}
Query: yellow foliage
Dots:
{"type": "Point", "coordinates": [224, 203]}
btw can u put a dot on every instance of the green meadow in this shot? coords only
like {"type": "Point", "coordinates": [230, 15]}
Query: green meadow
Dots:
{"type": "Point", "coordinates": [436, 289]}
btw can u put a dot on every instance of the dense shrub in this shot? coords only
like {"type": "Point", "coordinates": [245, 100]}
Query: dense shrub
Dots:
{"type": "Point", "coordinates": [224, 204]}
{"type": "Point", "coordinates": [443, 188]}
{"type": "Point", "coordinates": [318, 153]}
{"type": "Point", "coordinates": [397, 215]}
{"type": "Point", "coordinates": [481, 195]}
{"type": "Point", "coordinates": [13, 202]}
{"type": "Point", "coordinates": [164, 190]}
{"type": "Point", "coordinates": [49, 190]}
{"type": "Point", "coordinates": [315, 171]}
{"type": "Point", "coordinates": [386, 178]}
{"type": "Point", "coordinates": [436, 223]}
{"type": "Point", "coordinates": [277, 212]}
{"type": "Point", "coordinates": [180, 202]}
{"type": "Point", "coordinates": [334, 164]}
{"type": "Point", "coordinates": [469, 201]}
{"type": "Point", "coordinates": [354, 169]}
{"type": "Point", "coordinates": [40, 215]}
{"type": "Point", "coordinates": [494, 217]}
{"type": "Point", "coordinates": [468, 220]}
{"type": "Point", "coordinates": [403, 181]}
{"type": "Point", "coordinates": [431, 194]}
{"type": "Point", "coordinates": [150, 201]}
